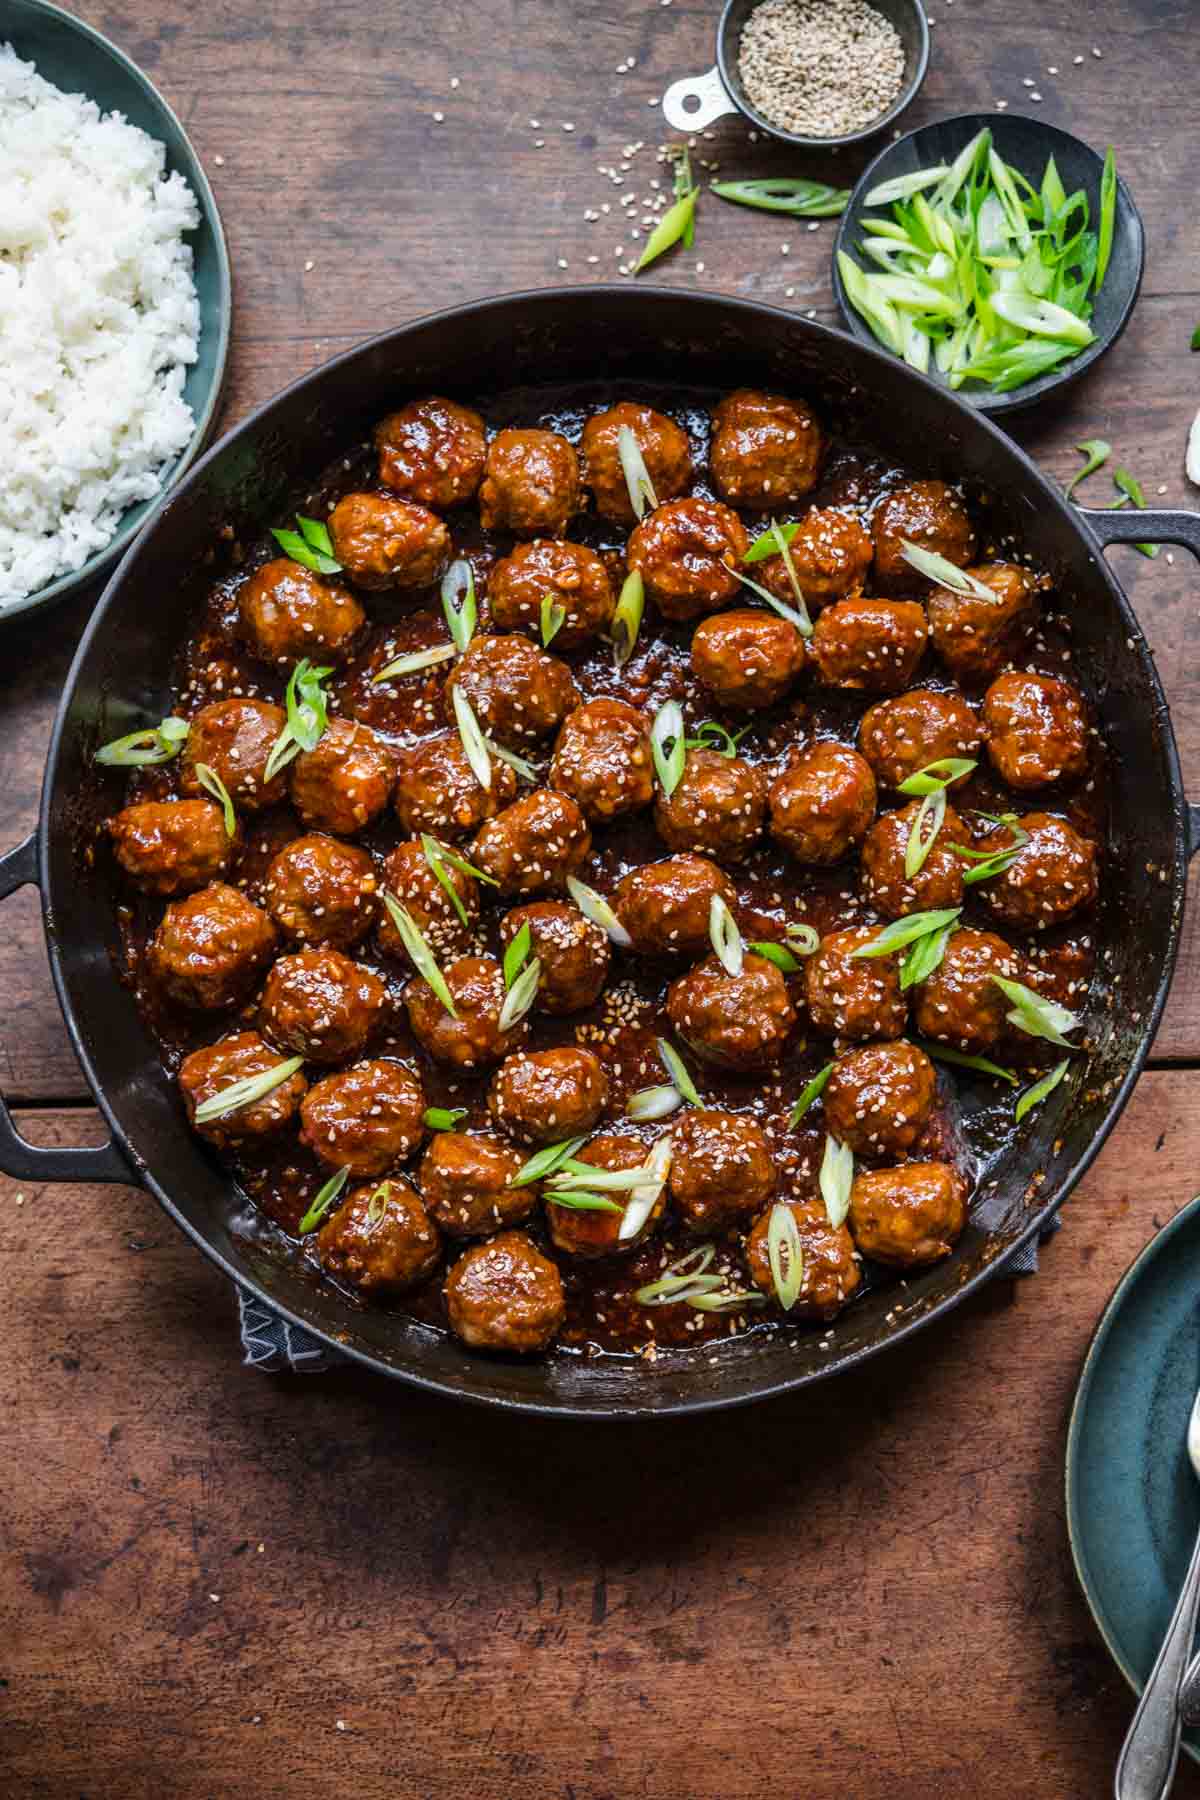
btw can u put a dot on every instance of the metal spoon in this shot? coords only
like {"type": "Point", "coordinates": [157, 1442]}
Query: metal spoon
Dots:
{"type": "Point", "coordinates": [1146, 1765]}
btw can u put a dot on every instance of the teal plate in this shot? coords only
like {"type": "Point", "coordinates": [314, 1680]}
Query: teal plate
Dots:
{"type": "Point", "coordinates": [77, 59]}
{"type": "Point", "coordinates": [1133, 1502]}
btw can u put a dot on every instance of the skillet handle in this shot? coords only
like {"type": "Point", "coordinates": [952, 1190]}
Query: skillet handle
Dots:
{"type": "Point", "coordinates": [22, 1160]}
{"type": "Point", "coordinates": [1150, 526]}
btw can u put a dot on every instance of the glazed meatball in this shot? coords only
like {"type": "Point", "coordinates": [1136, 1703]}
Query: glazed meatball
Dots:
{"type": "Point", "coordinates": [925, 513]}
{"type": "Point", "coordinates": [741, 1021]}
{"type": "Point", "coordinates": [909, 1216]}
{"type": "Point", "coordinates": [384, 543]}
{"type": "Point", "coordinates": [210, 949]}
{"type": "Point", "coordinates": [602, 759]}
{"type": "Point", "coordinates": [505, 1295]}
{"type": "Point", "coordinates": [592, 1233]}
{"type": "Point", "coordinates": [408, 876]}
{"type": "Point", "coordinates": [320, 1005]}
{"type": "Point", "coordinates": [664, 448]}
{"type": "Point", "coordinates": [549, 1095]}
{"type": "Point", "coordinates": [902, 736]}
{"type": "Point", "coordinates": [517, 693]}
{"type": "Point", "coordinates": [171, 846]}
{"type": "Point", "coordinates": [853, 996]}
{"type": "Point", "coordinates": [960, 1004]}
{"type": "Point", "coordinates": [874, 645]}
{"type": "Point", "coordinates": [1036, 730]}
{"type": "Point", "coordinates": [721, 1170]}
{"type": "Point", "coordinates": [569, 575]}
{"type": "Point", "coordinates": [534, 844]}
{"type": "Point", "coordinates": [822, 804]}
{"type": "Point", "coordinates": [470, 1037]}
{"type": "Point", "coordinates": [366, 1118]}
{"type": "Point", "coordinates": [346, 782]}
{"type": "Point", "coordinates": [938, 882]}
{"type": "Point", "coordinates": [747, 660]}
{"type": "Point", "coordinates": [573, 952]}
{"type": "Point", "coordinates": [437, 790]}
{"type": "Point", "coordinates": [974, 637]}
{"type": "Point", "coordinates": [765, 451]}
{"type": "Point", "coordinates": [878, 1098]}
{"type": "Point", "coordinates": [829, 1268]}
{"type": "Point", "coordinates": [208, 1072]}
{"type": "Point", "coordinates": [234, 738]}
{"type": "Point", "coordinates": [830, 553]}
{"type": "Point", "coordinates": [285, 612]}
{"type": "Point", "coordinates": [686, 552]}
{"type": "Point", "coordinates": [380, 1240]}
{"type": "Point", "coordinates": [718, 807]}
{"type": "Point", "coordinates": [531, 484]}
{"type": "Point", "coordinates": [432, 451]}
{"type": "Point", "coordinates": [320, 891]}
{"type": "Point", "coordinates": [1051, 877]}
{"type": "Point", "coordinates": [466, 1179]}
{"type": "Point", "coordinates": [665, 906]}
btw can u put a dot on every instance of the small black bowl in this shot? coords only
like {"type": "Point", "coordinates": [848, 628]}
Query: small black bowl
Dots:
{"type": "Point", "coordinates": [1027, 144]}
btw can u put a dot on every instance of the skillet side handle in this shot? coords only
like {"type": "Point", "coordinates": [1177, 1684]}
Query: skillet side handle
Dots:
{"type": "Point", "coordinates": [1150, 526]}
{"type": "Point", "coordinates": [22, 1160]}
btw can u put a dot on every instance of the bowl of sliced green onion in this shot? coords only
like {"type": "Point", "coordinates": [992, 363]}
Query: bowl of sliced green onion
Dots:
{"type": "Point", "coordinates": [994, 253]}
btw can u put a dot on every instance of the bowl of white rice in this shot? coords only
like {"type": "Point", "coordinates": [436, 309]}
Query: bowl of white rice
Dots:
{"type": "Point", "coordinates": [115, 303]}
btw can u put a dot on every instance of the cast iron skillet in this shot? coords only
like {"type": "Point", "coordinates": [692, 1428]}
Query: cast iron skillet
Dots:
{"type": "Point", "coordinates": [120, 678]}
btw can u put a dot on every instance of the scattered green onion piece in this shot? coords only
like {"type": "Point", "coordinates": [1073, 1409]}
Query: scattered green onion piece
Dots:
{"type": "Point", "coordinates": [902, 187]}
{"type": "Point", "coordinates": [783, 959]}
{"type": "Point", "coordinates": [677, 1069]}
{"type": "Point", "coordinates": [1012, 365]}
{"type": "Point", "coordinates": [805, 938]}
{"type": "Point", "coordinates": [945, 573]}
{"type": "Point", "coordinates": [724, 936]}
{"type": "Point", "coordinates": [413, 664]}
{"type": "Point", "coordinates": [878, 312]}
{"type": "Point", "coordinates": [805, 626]}
{"type": "Point", "coordinates": [322, 1201]}
{"type": "Point", "coordinates": [990, 866]}
{"type": "Point", "coordinates": [378, 1202]}
{"type": "Point", "coordinates": [794, 195]}
{"type": "Point", "coordinates": [461, 618]}
{"type": "Point", "coordinates": [437, 864]}
{"type": "Point", "coordinates": [937, 774]}
{"type": "Point", "coordinates": [552, 616]}
{"type": "Point", "coordinates": [143, 749]}
{"type": "Point", "coordinates": [457, 861]}
{"type": "Point", "coordinates": [627, 619]}
{"type": "Point", "coordinates": [1131, 489]}
{"type": "Point", "coordinates": [422, 957]}
{"type": "Point", "coordinates": [575, 1174]}
{"type": "Point", "coordinates": [595, 907]}
{"type": "Point", "coordinates": [644, 1198]}
{"type": "Point", "coordinates": [677, 224]}
{"type": "Point", "coordinates": [443, 1118]}
{"type": "Point", "coordinates": [582, 1202]}
{"type": "Point", "coordinates": [1054, 195]}
{"type": "Point", "coordinates": [767, 544]}
{"type": "Point", "coordinates": [1042, 318]}
{"type": "Point", "coordinates": [923, 832]}
{"type": "Point", "coordinates": [521, 995]}
{"type": "Point", "coordinates": [1037, 1016]}
{"type": "Point", "coordinates": [668, 745]}
{"type": "Point", "coordinates": [310, 546]}
{"type": "Point", "coordinates": [1108, 213]}
{"type": "Point", "coordinates": [785, 1255]}
{"type": "Point", "coordinates": [307, 716]}
{"type": "Point", "coordinates": [679, 1276]}
{"type": "Point", "coordinates": [473, 739]}
{"type": "Point", "coordinates": [1041, 1090]}
{"type": "Point", "coordinates": [637, 475]}
{"type": "Point", "coordinates": [212, 784]}
{"type": "Point", "coordinates": [682, 185]}
{"type": "Point", "coordinates": [524, 769]}
{"type": "Point", "coordinates": [246, 1092]}
{"type": "Point", "coordinates": [1196, 338]}
{"type": "Point", "coordinates": [902, 932]}
{"type": "Point", "coordinates": [924, 956]}
{"type": "Point", "coordinates": [836, 1180]}
{"type": "Point", "coordinates": [799, 620]}
{"type": "Point", "coordinates": [544, 1161]}
{"type": "Point", "coordinates": [813, 1091]}
{"type": "Point", "coordinates": [1096, 452]}
{"type": "Point", "coordinates": [961, 1060]}
{"type": "Point", "coordinates": [652, 1103]}
{"type": "Point", "coordinates": [725, 1300]}
{"type": "Point", "coordinates": [315, 533]}
{"type": "Point", "coordinates": [516, 954]}
{"type": "Point", "coordinates": [711, 736]}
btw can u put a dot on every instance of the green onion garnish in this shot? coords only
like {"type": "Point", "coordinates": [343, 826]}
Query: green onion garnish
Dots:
{"type": "Point", "coordinates": [443, 1118]}
{"type": "Point", "coordinates": [595, 907]}
{"type": "Point", "coordinates": [724, 936]}
{"type": "Point", "coordinates": [668, 745]}
{"type": "Point", "coordinates": [473, 740]}
{"type": "Point", "coordinates": [1196, 338]}
{"type": "Point", "coordinates": [711, 736]}
{"type": "Point", "coordinates": [688, 1274]}
{"type": "Point", "coordinates": [903, 187]}
{"type": "Point", "coordinates": [806, 939]}
{"type": "Point", "coordinates": [924, 956]}
{"type": "Point", "coordinates": [782, 543]}
{"type": "Point", "coordinates": [1108, 212]}
{"type": "Point", "coordinates": [961, 1060]}
{"type": "Point", "coordinates": [212, 784]}
{"type": "Point", "coordinates": [775, 953]}
{"type": "Point", "coordinates": [652, 1103]}
{"type": "Point", "coordinates": [524, 769]}
{"type": "Point", "coordinates": [247, 1091]}
{"type": "Point", "coordinates": [644, 1198]}
{"type": "Point", "coordinates": [794, 195]}
{"type": "Point", "coordinates": [800, 620]}
{"type": "Point", "coordinates": [677, 1069]}
{"type": "Point", "coordinates": [785, 1255]}
{"type": "Point", "coordinates": [322, 1201]}
{"type": "Point", "coordinates": [1037, 1016]}
{"type": "Point", "coordinates": [725, 1299]}
{"type": "Point", "coordinates": [378, 1202]}
{"type": "Point", "coordinates": [517, 953]}
{"type": "Point", "coordinates": [1041, 1090]}
{"type": "Point", "coordinates": [310, 546]}
{"type": "Point", "coordinates": [546, 1160]}
{"type": "Point", "coordinates": [582, 1202]}
{"type": "Point", "coordinates": [813, 1091]}
{"type": "Point", "coordinates": [923, 831]}
{"type": "Point", "coordinates": [987, 864]}
{"type": "Point", "coordinates": [552, 617]}
{"type": "Point", "coordinates": [637, 475]}
{"type": "Point", "coordinates": [412, 665]}
{"type": "Point", "coordinates": [1096, 452]}
{"type": "Point", "coordinates": [307, 716]}
{"type": "Point", "coordinates": [141, 749]}
{"type": "Point", "coordinates": [767, 543]}
{"type": "Point", "coordinates": [435, 856]}
{"type": "Point", "coordinates": [1131, 489]}
{"type": "Point", "coordinates": [678, 223]}
{"type": "Point", "coordinates": [902, 932]}
{"type": "Point", "coordinates": [521, 995]}
{"type": "Point", "coordinates": [573, 1174]}
{"type": "Point", "coordinates": [936, 775]}
{"type": "Point", "coordinates": [422, 957]}
{"type": "Point", "coordinates": [627, 619]}
{"type": "Point", "coordinates": [836, 1180]}
{"type": "Point", "coordinates": [946, 574]}
{"type": "Point", "coordinates": [459, 605]}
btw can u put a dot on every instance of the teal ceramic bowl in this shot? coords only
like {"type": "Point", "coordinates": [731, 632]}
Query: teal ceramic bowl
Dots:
{"type": "Point", "coordinates": [1133, 1502]}
{"type": "Point", "coordinates": [77, 59]}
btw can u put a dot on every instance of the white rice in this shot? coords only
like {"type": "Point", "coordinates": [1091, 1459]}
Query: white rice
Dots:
{"type": "Point", "coordinates": [98, 321]}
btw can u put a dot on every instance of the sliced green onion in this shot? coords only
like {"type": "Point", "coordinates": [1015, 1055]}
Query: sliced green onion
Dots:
{"type": "Point", "coordinates": [1108, 213]}
{"type": "Point", "coordinates": [878, 312]}
{"type": "Point", "coordinates": [1129, 485]}
{"type": "Point", "coordinates": [378, 1203]}
{"type": "Point", "coordinates": [767, 544]}
{"type": "Point", "coordinates": [435, 857]}
{"type": "Point", "coordinates": [546, 1160]}
{"type": "Point", "coordinates": [442, 1118]}
{"type": "Point", "coordinates": [668, 746]}
{"type": "Point", "coordinates": [322, 1201]}
{"type": "Point", "coordinates": [775, 953]}
{"type": "Point", "coordinates": [247, 1091]}
{"type": "Point", "coordinates": [582, 1202]}
{"type": "Point", "coordinates": [902, 932]}
{"type": "Point", "coordinates": [903, 187]}
{"type": "Point", "coordinates": [794, 195]}
{"type": "Point", "coordinates": [457, 861]}
{"type": "Point", "coordinates": [637, 475]}
{"type": "Point", "coordinates": [627, 619]}
{"type": "Point", "coordinates": [1037, 1016]}
{"type": "Point", "coordinates": [644, 1198]}
{"type": "Point", "coordinates": [521, 995]}
{"type": "Point", "coordinates": [1041, 1090]}
{"type": "Point", "coordinates": [1196, 338]}
{"type": "Point", "coordinates": [836, 1180]}
{"type": "Point", "coordinates": [595, 907]}
{"type": "Point", "coordinates": [422, 957]}
{"type": "Point", "coordinates": [724, 936]}
{"type": "Point", "coordinates": [677, 223]}
{"type": "Point", "coordinates": [574, 1174]}
{"type": "Point", "coordinates": [516, 954]}
{"type": "Point", "coordinates": [679, 1276]}
{"type": "Point", "coordinates": [1012, 365]}
{"type": "Point", "coordinates": [923, 832]}
{"type": "Point", "coordinates": [459, 604]}
{"type": "Point", "coordinates": [813, 1091]}
{"type": "Point", "coordinates": [473, 739]}
{"type": "Point", "coordinates": [785, 1255]}
{"type": "Point", "coordinates": [212, 784]}
{"type": "Point", "coordinates": [945, 573]}
{"type": "Point", "coordinates": [677, 1069]}
{"type": "Point", "coordinates": [988, 866]}
{"type": "Point", "coordinates": [1042, 318]}
{"type": "Point", "coordinates": [412, 665]}
{"type": "Point", "coordinates": [142, 749]}
{"type": "Point", "coordinates": [315, 534]}
{"type": "Point", "coordinates": [524, 769]}
{"type": "Point", "coordinates": [799, 620]}
{"type": "Point", "coordinates": [924, 956]}
{"type": "Point", "coordinates": [1097, 453]}
{"type": "Point", "coordinates": [310, 546]}
{"type": "Point", "coordinates": [711, 736]}
{"type": "Point", "coordinates": [961, 1060]}
{"type": "Point", "coordinates": [805, 939]}
{"type": "Point", "coordinates": [805, 626]}
{"type": "Point", "coordinates": [652, 1103]}
{"type": "Point", "coordinates": [725, 1299]}
{"type": "Point", "coordinates": [937, 774]}
{"type": "Point", "coordinates": [552, 617]}
{"type": "Point", "coordinates": [307, 716]}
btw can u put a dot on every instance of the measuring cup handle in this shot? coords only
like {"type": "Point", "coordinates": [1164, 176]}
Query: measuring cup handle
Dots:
{"type": "Point", "coordinates": [695, 101]}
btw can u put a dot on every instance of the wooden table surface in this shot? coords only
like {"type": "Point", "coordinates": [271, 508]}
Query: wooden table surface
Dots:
{"type": "Point", "coordinates": [218, 1584]}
